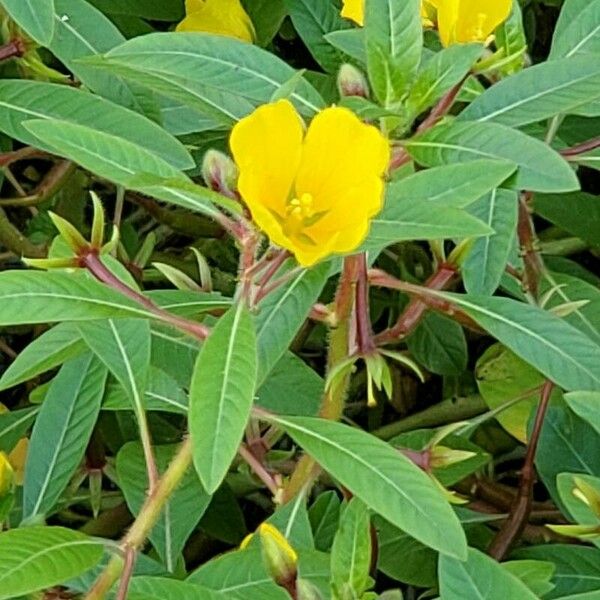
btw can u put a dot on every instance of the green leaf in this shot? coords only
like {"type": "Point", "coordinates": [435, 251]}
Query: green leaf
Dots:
{"type": "Point", "coordinates": [565, 289]}
{"type": "Point", "coordinates": [535, 574]}
{"type": "Point", "coordinates": [351, 552]}
{"type": "Point", "coordinates": [440, 74]}
{"type": "Point", "coordinates": [511, 40]}
{"type": "Point", "coordinates": [561, 352]}
{"type": "Point", "coordinates": [577, 568]}
{"type": "Point", "coordinates": [539, 92]}
{"type": "Point", "coordinates": [540, 168]}
{"type": "Point", "coordinates": [291, 373]}
{"type": "Point", "coordinates": [585, 405]}
{"type": "Point", "coordinates": [578, 29]}
{"type": "Point", "coordinates": [313, 20]}
{"type": "Point", "coordinates": [382, 478]}
{"type": "Point", "coordinates": [292, 521]}
{"type": "Point", "coordinates": [221, 395]}
{"type": "Point", "coordinates": [578, 214]}
{"type": "Point", "coordinates": [82, 30]}
{"type": "Point", "coordinates": [403, 220]}
{"type": "Point", "coordinates": [350, 42]}
{"type": "Point", "coordinates": [46, 352]}
{"type": "Point", "coordinates": [324, 517]}
{"type": "Point", "coordinates": [577, 509]}
{"type": "Point", "coordinates": [479, 577]}
{"type": "Point", "coordinates": [558, 453]}
{"type": "Point", "coordinates": [14, 425]}
{"type": "Point", "coordinates": [503, 378]}
{"type": "Point", "coordinates": [156, 10]}
{"type": "Point", "coordinates": [36, 17]}
{"type": "Point", "coordinates": [35, 558]}
{"type": "Point", "coordinates": [39, 297]}
{"type": "Point", "coordinates": [454, 185]}
{"type": "Point", "coordinates": [22, 100]}
{"type": "Point", "coordinates": [61, 433]}
{"type": "Point", "coordinates": [267, 17]}
{"type": "Point", "coordinates": [485, 264]}
{"type": "Point", "coordinates": [183, 510]}
{"type": "Point", "coordinates": [238, 575]}
{"type": "Point", "coordinates": [241, 575]}
{"type": "Point", "coordinates": [394, 41]}
{"type": "Point", "coordinates": [162, 393]}
{"type": "Point", "coordinates": [161, 588]}
{"type": "Point", "coordinates": [122, 162]}
{"type": "Point", "coordinates": [221, 77]}
{"type": "Point", "coordinates": [439, 344]}
{"type": "Point", "coordinates": [557, 349]}
{"type": "Point", "coordinates": [123, 345]}
{"type": "Point", "coordinates": [282, 313]}
{"type": "Point", "coordinates": [418, 565]}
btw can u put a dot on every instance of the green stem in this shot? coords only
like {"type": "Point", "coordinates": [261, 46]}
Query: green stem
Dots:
{"type": "Point", "coordinates": [332, 406]}
{"type": "Point", "coordinates": [12, 239]}
{"type": "Point", "coordinates": [447, 411]}
{"type": "Point", "coordinates": [146, 520]}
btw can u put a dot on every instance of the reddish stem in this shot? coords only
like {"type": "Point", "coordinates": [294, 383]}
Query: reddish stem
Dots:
{"type": "Point", "coordinates": [582, 148]}
{"type": "Point", "coordinates": [273, 267]}
{"type": "Point", "coordinates": [529, 247]}
{"type": "Point", "coordinates": [91, 261]}
{"type": "Point", "coordinates": [443, 107]}
{"type": "Point", "coordinates": [13, 49]}
{"type": "Point", "coordinates": [513, 527]}
{"type": "Point", "coordinates": [259, 469]}
{"type": "Point", "coordinates": [414, 312]}
{"type": "Point", "coordinates": [364, 335]}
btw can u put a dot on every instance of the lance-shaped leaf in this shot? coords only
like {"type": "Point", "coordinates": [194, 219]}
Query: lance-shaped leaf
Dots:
{"type": "Point", "coordinates": [221, 395]}
{"type": "Point", "coordinates": [36, 17]}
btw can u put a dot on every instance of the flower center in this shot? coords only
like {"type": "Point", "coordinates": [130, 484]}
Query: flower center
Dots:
{"type": "Point", "coordinates": [477, 31]}
{"type": "Point", "coordinates": [301, 208]}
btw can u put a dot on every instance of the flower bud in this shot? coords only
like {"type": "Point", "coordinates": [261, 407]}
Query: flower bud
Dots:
{"type": "Point", "coordinates": [441, 456]}
{"type": "Point", "coordinates": [219, 172]}
{"type": "Point", "coordinates": [280, 558]}
{"type": "Point", "coordinates": [307, 591]}
{"type": "Point", "coordinates": [351, 82]}
{"type": "Point", "coordinates": [69, 233]}
{"type": "Point", "coordinates": [7, 475]}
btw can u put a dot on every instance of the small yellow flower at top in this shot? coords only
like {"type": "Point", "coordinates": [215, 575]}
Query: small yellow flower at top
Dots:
{"type": "Point", "coordinates": [313, 193]}
{"type": "Point", "coordinates": [355, 11]}
{"type": "Point", "coordinates": [458, 21]}
{"type": "Point", "coordinates": [222, 17]}
{"type": "Point", "coordinates": [464, 21]}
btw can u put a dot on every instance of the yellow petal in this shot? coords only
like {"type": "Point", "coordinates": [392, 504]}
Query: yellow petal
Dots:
{"type": "Point", "coordinates": [478, 19]}
{"type": "Point", "coordinates": [17, 458]}
{"type": "Point", "coordinates": [222, 17]}
{"type": "Point", "coordinates": [447, 17]}
{"type": "Point", "coordinates": [464, 21]}
{"type": "Point", "coordinates": [266, 147]}
{"type": "Point", "coordinates": [355, 10]}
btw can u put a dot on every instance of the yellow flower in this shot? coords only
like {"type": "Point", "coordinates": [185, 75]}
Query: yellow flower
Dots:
{"type": "Point", "coordinates": [464, 21]}
{"type": "Point", "coordinates": [7, 475]}
{"type": "Point", "coordinates": [17, 458]}
{"type": "Point", "coordinates": [223, 17]}
{"type": "Point", "coordinates": [280, 558]}
{"type": "Point", "coordinates": [312, 193]}
{"type": "Point", "coordinates": [355, 10]}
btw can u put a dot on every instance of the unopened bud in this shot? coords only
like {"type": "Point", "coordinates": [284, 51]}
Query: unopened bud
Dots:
{"type": "Point", "coordinates": [280, 558]}
{"type": "Point", "coordinates": [7, 475]}
{"type": "Point", "coordinates": [351, 82]}
{"type": "Point", "coordinates": [219, 172]}
{"type": "Point", "coordinates": [307, 591]}
{"type": "Point", "coordinates": [441, 456]}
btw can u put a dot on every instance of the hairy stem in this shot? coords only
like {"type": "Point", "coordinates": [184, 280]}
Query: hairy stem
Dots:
{"type": "Point", "coordinates": [332, 406]}
{"type": "Point", "coordinates": [147, 518]}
